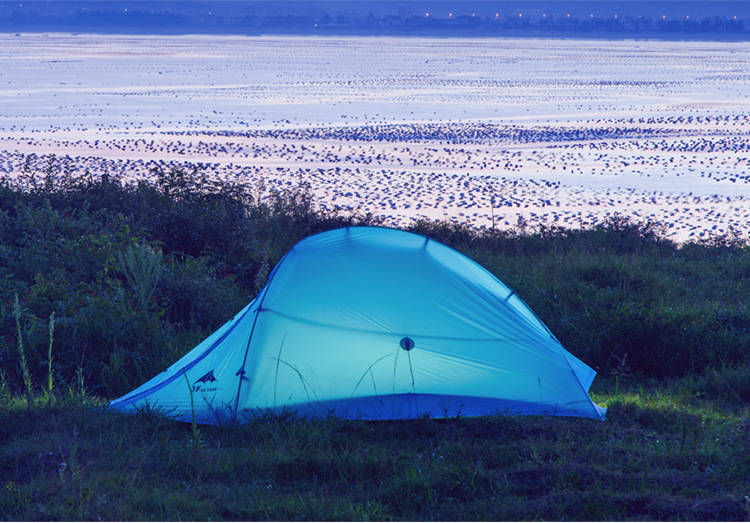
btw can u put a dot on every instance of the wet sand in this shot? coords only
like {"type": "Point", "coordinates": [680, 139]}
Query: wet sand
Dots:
{"type": "Point", "coordinates": [487, 132]}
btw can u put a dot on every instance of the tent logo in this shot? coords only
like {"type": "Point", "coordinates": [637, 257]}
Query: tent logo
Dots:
{"type": "Point", "coordinates": [208, 377]}
{"type": "Point", "coordinates": [200, 383]}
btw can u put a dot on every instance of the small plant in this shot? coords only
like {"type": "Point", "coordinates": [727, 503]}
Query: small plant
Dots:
{"type": "Point", "coordinates": [24, 366]}
{"type": "Point", "coordinates": [141, 265]}
{"type": "Point", "coordinates": [5, 392]}
{"type": "Point", "coordinates": [50, 381]}
{"type": "Point", "coordinates": [196, 442]}
{"type": "Point", "coordinates": [77, 391]}
{"type": "Point", "coordinates": [261, 277]}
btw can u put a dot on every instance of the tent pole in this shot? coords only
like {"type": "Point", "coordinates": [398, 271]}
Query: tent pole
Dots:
{"type": "Point", "coordinates": [241, 372]}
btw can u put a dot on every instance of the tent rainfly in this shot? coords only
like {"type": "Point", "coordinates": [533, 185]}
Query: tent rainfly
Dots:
{"type": "Point", "coordinates": [374, 323]}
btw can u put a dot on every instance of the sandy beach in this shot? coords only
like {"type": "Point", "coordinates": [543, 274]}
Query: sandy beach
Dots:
{"type": "Point", "coordinates": [491, 132]}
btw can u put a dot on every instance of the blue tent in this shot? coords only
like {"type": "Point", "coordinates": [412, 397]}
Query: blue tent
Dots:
{"type": "Point", "coordinates": [375, 323]}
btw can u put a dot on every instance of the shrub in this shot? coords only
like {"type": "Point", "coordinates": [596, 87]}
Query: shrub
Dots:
{"type": "Point", "coordinates": [137, 273]}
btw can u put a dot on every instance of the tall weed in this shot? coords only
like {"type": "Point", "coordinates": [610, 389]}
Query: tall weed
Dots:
{"type": "Point", "coordinates": [21, 352]}
{"type": "Point", "coordinates": [142, 265]}
{"type": "Point", "coordinates": [50, 380]}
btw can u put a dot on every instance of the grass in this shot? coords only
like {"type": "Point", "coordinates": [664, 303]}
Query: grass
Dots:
{"type": "Point", "coordinates": [665, 452]}
{"type": "Point", "coordinates": [104, 283]}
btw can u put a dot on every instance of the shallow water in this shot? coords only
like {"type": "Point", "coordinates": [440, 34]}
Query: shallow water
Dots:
{"type": "Point", "coordinates": [480, 131]}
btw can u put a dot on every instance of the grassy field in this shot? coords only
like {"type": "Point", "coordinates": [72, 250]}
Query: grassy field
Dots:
{"type": "Point", "coordinates": [103, 283]}
{"type": "Point", "coordinates": [679, 451]}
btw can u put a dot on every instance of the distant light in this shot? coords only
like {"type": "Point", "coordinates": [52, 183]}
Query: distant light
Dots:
{"type": "Point", "coordinates": [544, 15]}
{"type": "Point", "coordinates": [663, 17]}
{"type": "Point", "coordinates": [473, 14]}
{"type": "Point", "coordinates": [450, 15]}
{"type": "Point", "coordinates": [592, 16]}
{"type": "Point", "coordinates": [568, 16]}
{"type": "Point", "coordinates": [520, 15]}
{"type": "Point", "coordinates": [615, 16]}
{"type": "Point", "coordinates": [427, 14]}
{"type": "Point", "coordinates": [497, 14]}
{"type": "Point", "coordinates": [687, 17]}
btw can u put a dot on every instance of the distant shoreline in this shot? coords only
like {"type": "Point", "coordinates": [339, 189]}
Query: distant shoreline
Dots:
{"type": "Point", "coordinates": [514, 36]}
{"type": "Point", "coordinates": [578, 19]}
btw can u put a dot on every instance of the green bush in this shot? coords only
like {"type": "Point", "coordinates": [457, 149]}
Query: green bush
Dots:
{"type": "Point", "coordinates": [137, 273]}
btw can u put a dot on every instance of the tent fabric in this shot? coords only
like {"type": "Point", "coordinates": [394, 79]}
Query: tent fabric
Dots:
{"type": "Point", "coordinates": [375, 323]}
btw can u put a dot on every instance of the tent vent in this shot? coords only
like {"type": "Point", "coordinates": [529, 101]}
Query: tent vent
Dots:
{"type": "Point", "coordinates": [407, 343]}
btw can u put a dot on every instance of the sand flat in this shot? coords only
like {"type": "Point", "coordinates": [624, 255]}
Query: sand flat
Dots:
{"type": "Point", "coordinates": [492, 132]}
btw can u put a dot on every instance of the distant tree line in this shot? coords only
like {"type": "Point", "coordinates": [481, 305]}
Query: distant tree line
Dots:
{"type": "Point", "coordinates": [167, 18]}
